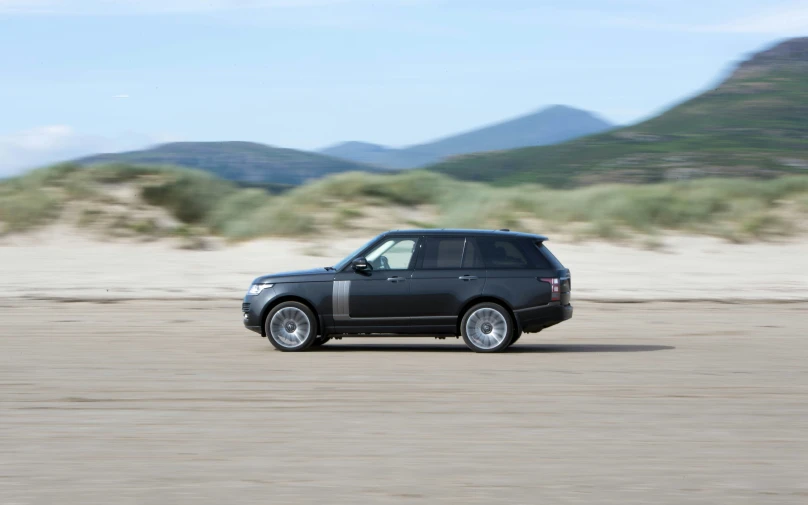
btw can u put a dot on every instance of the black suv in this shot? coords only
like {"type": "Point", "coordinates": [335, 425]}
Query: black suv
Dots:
{"type": "Point", "coordinates": [488, 286]}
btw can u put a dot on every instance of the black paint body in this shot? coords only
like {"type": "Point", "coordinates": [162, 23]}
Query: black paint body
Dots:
{"type": "Point", "coordinates": [419, 300]}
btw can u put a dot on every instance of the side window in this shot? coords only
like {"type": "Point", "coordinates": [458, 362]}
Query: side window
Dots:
{"type": "Point", "coordinates": [393, 254]}
{"type": "Point", "coordinates": [502, 253]}
{"type": "Point", "coordinates": [471, 256]}
{"type": "Point", "coordinates": [440, 253]}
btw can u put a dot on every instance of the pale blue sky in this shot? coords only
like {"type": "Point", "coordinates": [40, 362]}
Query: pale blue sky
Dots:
{"type": "Point", "coordinates": [77, 76]}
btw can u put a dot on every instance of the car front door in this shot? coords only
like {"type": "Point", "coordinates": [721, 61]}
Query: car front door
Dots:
{"type": "Point", "coordinates": [376, 300]}
{"type": "Point", "coordinates": [449, 273]}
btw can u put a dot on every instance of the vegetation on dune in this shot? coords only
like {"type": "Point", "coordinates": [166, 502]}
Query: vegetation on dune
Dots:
{"type": "Point", "coordinates": [165, 201]}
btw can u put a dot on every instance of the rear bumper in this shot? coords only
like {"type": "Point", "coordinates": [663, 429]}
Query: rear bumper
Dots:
{"type": "Point", "coordinates": [535, 319]}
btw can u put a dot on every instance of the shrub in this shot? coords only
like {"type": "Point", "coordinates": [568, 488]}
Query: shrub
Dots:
{"type": "Point", "coordinates": [191, 198]}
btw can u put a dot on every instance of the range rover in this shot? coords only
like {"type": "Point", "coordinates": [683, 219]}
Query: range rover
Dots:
{"type": "Point", "coordinates": [489, 287]}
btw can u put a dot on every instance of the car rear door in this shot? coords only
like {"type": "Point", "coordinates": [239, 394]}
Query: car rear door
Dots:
{"type": "Point", "coordinates": [448, 273]}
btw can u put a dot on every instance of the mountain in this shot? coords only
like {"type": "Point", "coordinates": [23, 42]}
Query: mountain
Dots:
{"type": "Point", "coordinates": [547, 126]}
{"type": "Point", "coordinates": [360, 152]}
{"type": "Point", "coordinates": [755, 123]}
{"type": "Point", "coordinates": [244, 162]}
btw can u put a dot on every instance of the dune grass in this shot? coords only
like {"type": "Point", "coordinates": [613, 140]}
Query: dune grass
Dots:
{"type": "Point", "coordinates": [736, 209]}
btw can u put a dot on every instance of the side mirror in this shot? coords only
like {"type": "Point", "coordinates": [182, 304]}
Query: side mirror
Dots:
{"type": "Point", "coordinates": [361, 265]}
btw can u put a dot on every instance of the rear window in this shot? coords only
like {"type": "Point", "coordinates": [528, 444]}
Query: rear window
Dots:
{"type": "Point", "coordinates": [501, 253]}
{"type": "Point", "coordinates": [550, 257]}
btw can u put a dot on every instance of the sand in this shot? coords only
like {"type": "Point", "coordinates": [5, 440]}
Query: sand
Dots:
{"type": "Point", "coordinates": [173, 402]}
{"type": "Point", "coordinates": [59, 264]}
{"type": "Point", "coordinates": [126, 377]}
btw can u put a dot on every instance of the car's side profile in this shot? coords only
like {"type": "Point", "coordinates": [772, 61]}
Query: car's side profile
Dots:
{"type": "Point", "coordinates": [487, 286]}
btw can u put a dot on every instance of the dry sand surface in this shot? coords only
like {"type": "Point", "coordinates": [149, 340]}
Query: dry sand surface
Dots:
{"type": "Point", "coordinates": [58, 263]}
{"type": "Point", "coordinates": [126, 378]}
{"type": "Point", "coordinates": [172, 402]}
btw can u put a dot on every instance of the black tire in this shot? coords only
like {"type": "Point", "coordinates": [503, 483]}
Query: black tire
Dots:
{"type": "Point", "coordinates": [483, 338]}
{"type": "Point", "coordinates": [515, 338]}
{"type": "Point", "coordinates": [318, 342]}
{"type": "Point", "coordinates": [295, 329]}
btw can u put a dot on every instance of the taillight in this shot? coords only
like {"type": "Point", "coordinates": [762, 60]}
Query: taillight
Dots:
{"type": "Point", "coordinates": [555, 287]}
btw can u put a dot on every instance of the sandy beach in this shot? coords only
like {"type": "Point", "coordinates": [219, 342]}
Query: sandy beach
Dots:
{"type": "Point", "coordinates": [172, 402]}
{"type": "Point", "coordinates": [127, 377]}
{"type": "Point", "coordinates": [59, 264]}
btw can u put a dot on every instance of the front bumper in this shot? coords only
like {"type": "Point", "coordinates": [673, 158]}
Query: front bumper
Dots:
{"type": "Point", "coordinates": [252, 310]}
{"type": "Point", "coordinates": [534, 319]}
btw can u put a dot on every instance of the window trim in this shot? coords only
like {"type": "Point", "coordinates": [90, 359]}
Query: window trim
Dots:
{"type": "Point", "coordinates": [472, 239]}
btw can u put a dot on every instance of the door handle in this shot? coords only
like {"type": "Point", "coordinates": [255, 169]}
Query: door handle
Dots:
{"type": "Point", "coordinates": [396, 279]}
{"type": "Point", "coordinates": [468, 277]}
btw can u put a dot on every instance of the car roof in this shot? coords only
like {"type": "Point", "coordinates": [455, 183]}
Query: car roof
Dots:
{"type": "Point", "coordinates": [476, 233]}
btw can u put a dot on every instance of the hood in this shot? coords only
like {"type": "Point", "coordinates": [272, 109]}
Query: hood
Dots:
{"type": "Point", "coordinates": [313, 274]}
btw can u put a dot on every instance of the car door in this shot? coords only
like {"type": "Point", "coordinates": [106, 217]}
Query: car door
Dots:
{"type": "Point", "coordinates": [376, 300]}
{"type": "Point", "coordinates": [448, 274]}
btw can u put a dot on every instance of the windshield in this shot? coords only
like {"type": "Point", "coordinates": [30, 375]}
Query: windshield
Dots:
{"type": "Point", "coordinates": [344, 262]}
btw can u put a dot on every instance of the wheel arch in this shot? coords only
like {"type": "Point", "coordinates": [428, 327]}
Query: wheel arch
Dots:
{"type": "Point", "coordinates": [289, 298]}
{"type": "Point", "coordinates": [483, 299]}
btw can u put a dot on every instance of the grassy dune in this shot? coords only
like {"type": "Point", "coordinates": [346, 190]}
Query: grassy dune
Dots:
{"type": "Point", "coordinates": [165, 201]}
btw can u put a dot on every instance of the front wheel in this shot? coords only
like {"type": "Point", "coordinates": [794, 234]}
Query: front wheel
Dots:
{"type": "Point", "coordinates": [291, 326]}
{"type": "Point", "coordinates": [487, 327]}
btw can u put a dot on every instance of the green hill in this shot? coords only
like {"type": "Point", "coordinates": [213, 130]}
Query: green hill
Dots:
{"type": "Point", "coordinates": [754, 124]}
{"type": "Point", "coordinates": [244, 162]}
{"type": "Point", "coordinates": [550, 125]}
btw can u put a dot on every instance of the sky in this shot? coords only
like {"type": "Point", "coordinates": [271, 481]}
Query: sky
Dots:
{"type": "Point", "coordinates": [85, 76]}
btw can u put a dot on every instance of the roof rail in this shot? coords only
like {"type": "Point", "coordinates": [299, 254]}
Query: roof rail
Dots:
{"type": "Point", "coordinates": [503, 229]}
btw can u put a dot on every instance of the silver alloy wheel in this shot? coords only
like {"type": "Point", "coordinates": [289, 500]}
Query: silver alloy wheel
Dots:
{"type": "Point", "coordinates": [486, 328]}
{"type": "Point", "coordinates": [290, 327]}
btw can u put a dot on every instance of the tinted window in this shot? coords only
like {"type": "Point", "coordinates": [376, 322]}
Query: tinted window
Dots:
{"type": "Point", "coordinates": [471, 256]}
{"type": "Point", "coordinates": [502, 253]}
{"type": "Point", "coordinates": [548, 256]}
{"type": "Point", "coordinates": [443, 252]}
{"type": "Point", "coordinates": [534, 254]}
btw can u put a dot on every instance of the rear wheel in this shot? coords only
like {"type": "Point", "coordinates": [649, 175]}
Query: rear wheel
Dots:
{"type": "Point", "coordinates": [487, 327]}
{"type": "Point", "coordinates": [320, 341]}
{"type": "Point", "coordinates": [515, 338]}
{"type": "Point", "coordinates": [291, 326]}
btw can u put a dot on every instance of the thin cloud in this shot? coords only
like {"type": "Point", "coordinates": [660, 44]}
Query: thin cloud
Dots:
{"type": "Point", "coordinates": [788, 19]}
{"type": "Point", "coordinates": [782, 20]}
{"type": "Point", "coordinates": [120, 96]}
{"type": "Point", "coordinates": [105, 7]}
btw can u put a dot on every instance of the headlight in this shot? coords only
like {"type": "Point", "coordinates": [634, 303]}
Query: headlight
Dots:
{"type": "Point", "coordinates": [257, 288]}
